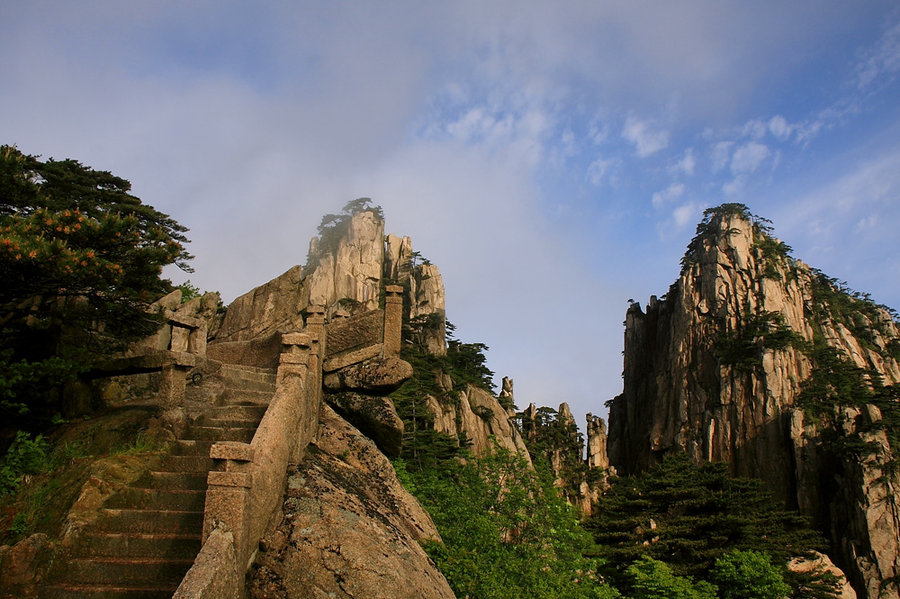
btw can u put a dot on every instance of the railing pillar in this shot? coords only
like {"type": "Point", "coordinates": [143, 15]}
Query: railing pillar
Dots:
{"type": "Point", "coordinates": [294, 358]}
{"type": "Point", "coordinates": [315, 328]}
{"type": "Point", "coordinates": [228, 493]}
{"type": "Point", "coordinates": [393, 319]}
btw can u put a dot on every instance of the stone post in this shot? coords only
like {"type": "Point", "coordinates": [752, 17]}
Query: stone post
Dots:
{"type": "Point", "coordinates": [294, 358]}
{"type": "Point", "coordinates": [315, 326]}
{"type": "Point", "coordinates": [228, 493]}
{"type": "Point", "coordinates": [174, 367]}
{"type": "Point", "coordinates": [393, 319]}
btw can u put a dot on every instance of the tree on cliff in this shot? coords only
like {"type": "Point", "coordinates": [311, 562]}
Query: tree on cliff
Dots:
{"type": "Point", "coordinates": [334, 226]}
{"type": "Point", "coordinates": [80, 260]}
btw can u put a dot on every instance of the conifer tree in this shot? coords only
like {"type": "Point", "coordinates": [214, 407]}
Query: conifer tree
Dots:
{"type": "Point", "coordinates": [80, 260]}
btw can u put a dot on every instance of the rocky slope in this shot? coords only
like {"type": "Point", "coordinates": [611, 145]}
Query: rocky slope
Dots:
{"type": "Point", "coordinates": [347, 528]}
{"type": "Point", "coordinates": [758, 360]}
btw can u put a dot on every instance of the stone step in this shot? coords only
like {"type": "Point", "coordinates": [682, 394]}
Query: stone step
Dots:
{"type": "Point", "coordinates": [246, 396]}
{"type": "Point", "coordinates": [195, 447]}
{"type": "Point", "coordinates": [186, 463]}
{"type": "Point", "coordinates": [191, 481]}
{"type": "Point", "coordinates": [148, 521]}
{"type": "Point", "coordinates": [143, 572]}
{"type": "Point", "coordinates": [131, 544]}
{"type": "Point", "coordinates": [230, 422]}
{"type": "Point", "coordinates": [248, 378]}
{"type": "Point", "coordinates": [247, 372]}
{"type": "Point", "coordinates": [243, 411]}
{"type": "Point", "coordinates": [159, 499]}
{"type": "Point", "coordinates": [107, 591]}
{"type": "Point", "coordinates": [217, 433]}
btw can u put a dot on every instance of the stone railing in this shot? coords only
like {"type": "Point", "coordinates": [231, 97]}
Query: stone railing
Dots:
{"type": "Point", "coordinates": [247, 486]}
{"type": "Point", "coordinates": [177, 346]}
{"type": "Point", "coordinates": [368, 335]}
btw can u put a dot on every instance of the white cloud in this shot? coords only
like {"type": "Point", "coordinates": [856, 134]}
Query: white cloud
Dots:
{"type": "Point", "coordinates": [867, 222]}
{"type": "Point", "coordinates": [645, 140]}
{"type": "Point", "coordinates": [721, 155]}
{"type": "Point", "coordinates": [687, 164]}
{"type": "Point", "coordinates": [779, 127]}
{"type": "Point", "coordinates": [686, 214]}
{"type": "Point", "coordinates": [598, 132]}
{"type": "Point", "coordinates": [597, 170]}
{"type": "Point", "coordinates": [755, 129]}
{"type": "Point", "coordinates": [748, 157]}
{"type": "Point", "coordinates": [670, 193]}
{"type": "Point", "coordinates": [882, 61]}
{"type": "Point", "coordinates": [734, 186]}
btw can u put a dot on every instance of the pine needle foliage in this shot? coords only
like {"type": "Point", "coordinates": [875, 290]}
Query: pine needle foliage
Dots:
{"type": "Point", "coordinates": [688, 516]}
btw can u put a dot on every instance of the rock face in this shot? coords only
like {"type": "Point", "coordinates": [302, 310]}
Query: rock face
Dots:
{"type": "Point", "coordinates": [348, 530]}
{"type": "Point", "coordinates": [821, 562]}
{"type": "Point", "coordinates": [377, 375]}
{"type": "Point", "coordinates": [345, 277]}
{"type": "Point", "coordinates": [425, 294]}
{"type": "Point", "coordinates": [374, 416]}
{"type": "Point", "coordinates": [478, 417]}
{"type": "Point", "coordinates": [596, 443]}
{"type": "Point", "coordinates": [747, 360]}
{"type": "Point", "coordinates": [352, 270]}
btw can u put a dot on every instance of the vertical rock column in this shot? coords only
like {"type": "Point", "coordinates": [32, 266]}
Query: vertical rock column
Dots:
{"type": "Point", "coordinates": [596, 443]}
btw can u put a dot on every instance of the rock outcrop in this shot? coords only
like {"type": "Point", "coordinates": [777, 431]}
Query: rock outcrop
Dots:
{"type": "Point", "coordinates": [348, 528]}
{"type": "Point", "coordinates": [476, 417]}
{"type": "Point", "coordinates": [554, 434]}
{"type": "Point", "coordinates": [424, 295]}
{"type": "Point", "coordinates": [755, 359]}
{"type": "Point", "coordinates": [344, 275]}
{"type": "Point", "coordinates": [596, 457]}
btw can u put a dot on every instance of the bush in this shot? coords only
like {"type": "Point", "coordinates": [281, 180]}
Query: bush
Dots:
{"type": "Point", "coordinates": [652, 579]}
{"type": "Point", "coordinates": [748, 575]}
{"type": "Point", "coordinates": [24, 456]}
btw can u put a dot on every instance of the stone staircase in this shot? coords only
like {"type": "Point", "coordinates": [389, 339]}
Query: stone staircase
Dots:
{"type": "Point", "coordinates": [149, 533]}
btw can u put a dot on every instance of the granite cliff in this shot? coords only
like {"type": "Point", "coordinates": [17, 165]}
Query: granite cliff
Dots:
{"type": "Point", "coordinates": [755, 359]}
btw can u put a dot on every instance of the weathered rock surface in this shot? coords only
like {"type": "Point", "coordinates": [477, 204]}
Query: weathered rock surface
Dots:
{"type": "Point", "coordinates": [821, 562]}
{"type": "Point", "coordinates": [352, 270]}
{"type": "Point", "coordinates": [374, 416]}
{"type": "Point", "coordinates": [270, 308]}
{"type": "Point", "coordinates": [478, 417]}
{"type": "Point", "coordinates": [348, 528]}
{"type": "Point", "coordinates": [555, 434]}
{"type": "Point", "coordinates": [425, 292]}
{"type": "Point", "coordinates": [596, 443]}
{"type": "Point", "coordinates": [376, 375]}
{"type": "Point", "coordinates": [22, 565]}
{"type": "Point", "coordinates": [716, 368]}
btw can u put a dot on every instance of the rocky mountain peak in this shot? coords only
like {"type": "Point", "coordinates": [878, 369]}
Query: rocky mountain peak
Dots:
{"type": "Point", "coordinates": [755, 359]}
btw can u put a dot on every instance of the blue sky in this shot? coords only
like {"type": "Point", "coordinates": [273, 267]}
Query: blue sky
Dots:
{"type": "Point", "coordinates": [552, 158]}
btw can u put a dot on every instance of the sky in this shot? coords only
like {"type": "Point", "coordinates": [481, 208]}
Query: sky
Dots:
{"type": "Point", "coordinates": [552, 158]}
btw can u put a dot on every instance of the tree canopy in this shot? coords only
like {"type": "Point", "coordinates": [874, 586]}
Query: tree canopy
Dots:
{"type": "Point", "coordinates": [689, 516]}
{"type": "Point", "coordinates": [80, 260]}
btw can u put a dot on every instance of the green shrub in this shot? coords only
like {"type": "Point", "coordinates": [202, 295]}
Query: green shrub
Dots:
{"type": "Point", "coordinates": [748, 575]}
{"type": "Point", "coordinates": [24, 456]}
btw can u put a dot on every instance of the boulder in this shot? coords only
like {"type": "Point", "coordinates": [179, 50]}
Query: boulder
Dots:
{"type": "Point", "coordinates": [375, 417]}
{"type": "Point", "coordinates": [376, 375]}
